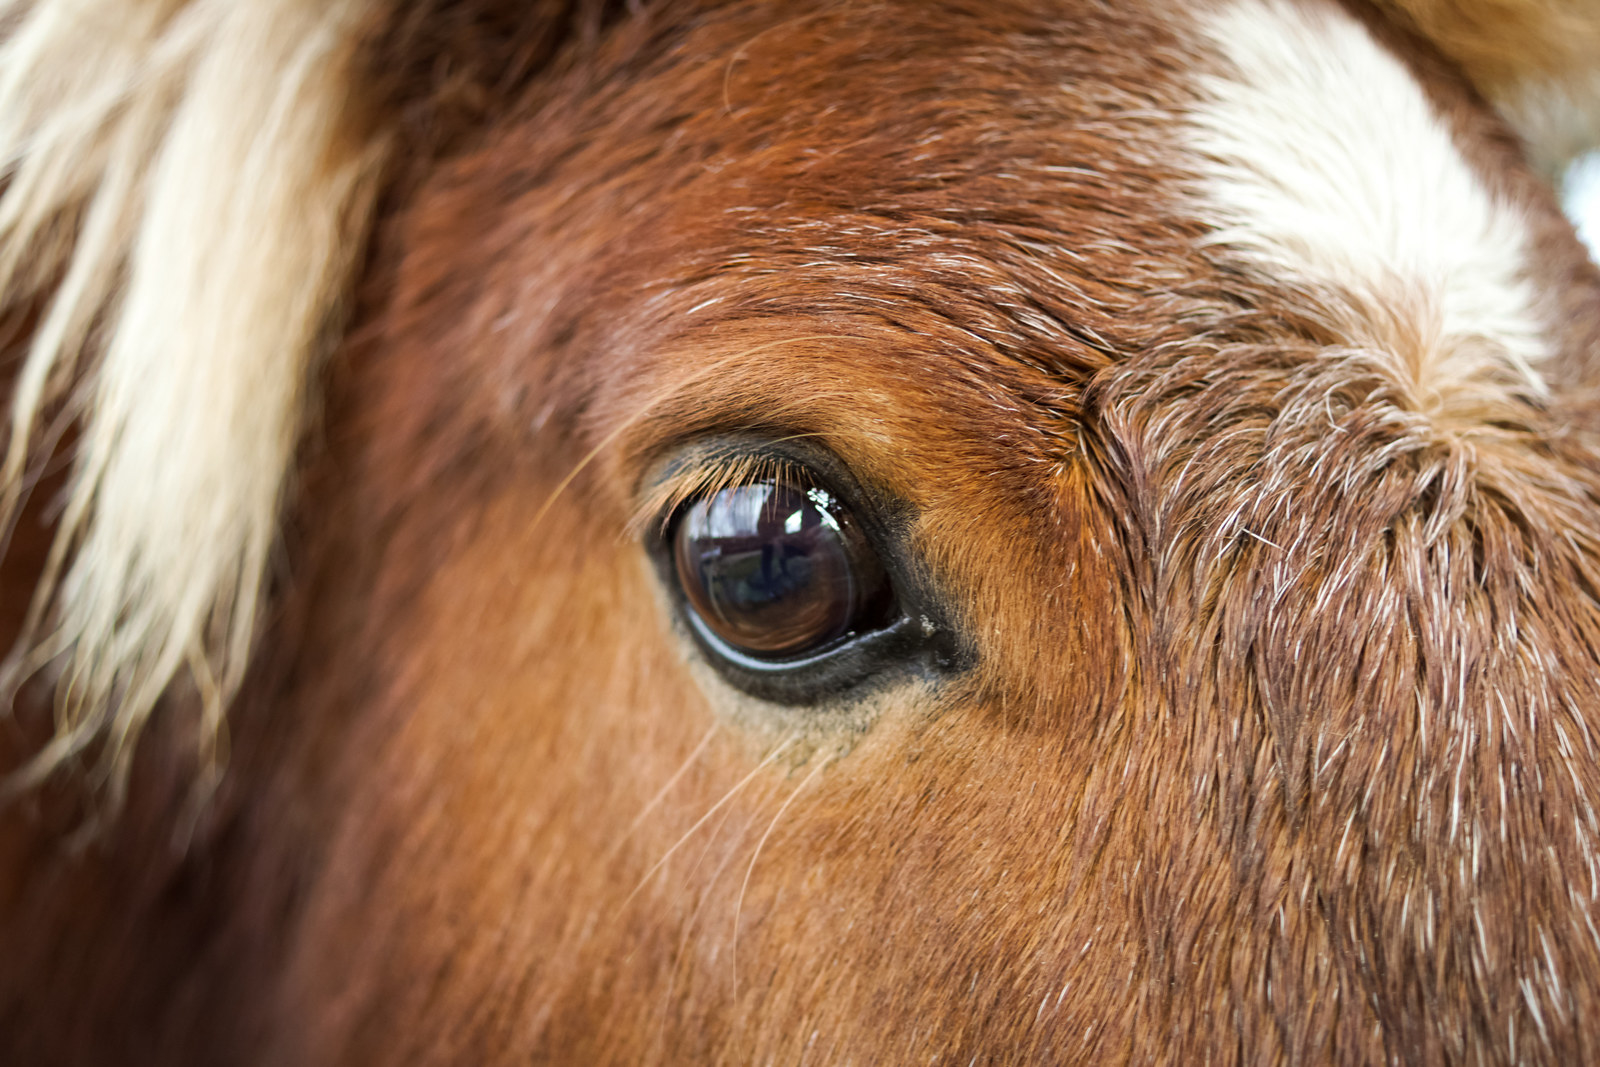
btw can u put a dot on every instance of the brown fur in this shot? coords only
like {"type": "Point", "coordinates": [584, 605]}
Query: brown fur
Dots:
{"type": "Point", "coordinates": [1538, 61]}
{"type": "Point", "coordinates": [1278, 743]}
{"type": "Point", "coordinates": [1503, 42]}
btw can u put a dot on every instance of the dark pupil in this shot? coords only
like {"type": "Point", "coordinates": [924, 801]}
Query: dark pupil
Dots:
{"type": "Point", "coordinates": [773, 568]}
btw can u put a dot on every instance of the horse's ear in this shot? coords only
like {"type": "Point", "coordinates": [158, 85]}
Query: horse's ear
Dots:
{"type": "Point", "coordinates": [186, 189]}
{"type": "Point", "coordinates": [1538, 61]}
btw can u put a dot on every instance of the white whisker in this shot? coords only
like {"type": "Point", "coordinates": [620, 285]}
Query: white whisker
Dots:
{"type": "Point", "coordinates": [729, 795]}
{"type": "Point", "coordinates": [661, 794]}
{"type": "Point", "coordinates": [738, 906]}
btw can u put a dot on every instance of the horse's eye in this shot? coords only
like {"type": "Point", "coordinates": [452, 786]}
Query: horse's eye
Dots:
{"type": "Point", "coordinates": [775, 570]}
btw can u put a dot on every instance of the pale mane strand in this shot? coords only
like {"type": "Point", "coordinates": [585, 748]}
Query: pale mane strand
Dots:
{"type": "Point", "coordinates": [184, 188]}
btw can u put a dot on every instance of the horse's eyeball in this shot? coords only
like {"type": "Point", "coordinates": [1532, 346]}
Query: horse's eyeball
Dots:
{"type": "Point", "coordinates": [777, 570]}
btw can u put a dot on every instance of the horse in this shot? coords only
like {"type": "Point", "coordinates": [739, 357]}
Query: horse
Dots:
{"type": "Point", "coordinates": [724, 531]}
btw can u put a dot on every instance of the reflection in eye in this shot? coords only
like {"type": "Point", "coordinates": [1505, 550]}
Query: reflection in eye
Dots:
{"type": "Point", "coordinates": [776, 569]}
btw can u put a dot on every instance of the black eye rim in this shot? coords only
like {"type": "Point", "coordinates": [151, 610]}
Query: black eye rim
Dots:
{"type": "Point", "coordinates": [916, 640]}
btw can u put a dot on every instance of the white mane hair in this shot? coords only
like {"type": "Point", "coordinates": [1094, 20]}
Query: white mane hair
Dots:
{"type": "Point", "coordinates": [184, 197]}
{"type": "Point", "coordinates": [185, 188]}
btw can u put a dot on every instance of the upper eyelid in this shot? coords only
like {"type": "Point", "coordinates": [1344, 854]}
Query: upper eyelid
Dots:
{"type": "Point", "coordinates": [704, 478]}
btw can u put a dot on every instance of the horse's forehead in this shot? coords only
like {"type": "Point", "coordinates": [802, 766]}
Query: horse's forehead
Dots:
{"type": "Point", "coordinates": [1053, 192]}
{"type": "Point", "coordinates": [1020, 150]}
{"type": "Point", "coordinates": [767, 140]}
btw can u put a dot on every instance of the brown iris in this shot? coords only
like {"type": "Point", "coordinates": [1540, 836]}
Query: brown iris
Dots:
{"type": "Point", "coordinates": [776, 569]}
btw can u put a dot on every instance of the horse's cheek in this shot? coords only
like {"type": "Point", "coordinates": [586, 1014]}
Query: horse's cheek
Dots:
{"type": "Point", "coordinates": [550, 818]}
{"type": "Point", "coordinates": [531, 706]}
